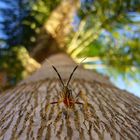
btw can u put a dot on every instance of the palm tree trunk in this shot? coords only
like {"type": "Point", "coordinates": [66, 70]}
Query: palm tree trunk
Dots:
{"type": "Point", "coordinates": [106, 112]}
{"type": "Point", "coordinates": [54, 34]}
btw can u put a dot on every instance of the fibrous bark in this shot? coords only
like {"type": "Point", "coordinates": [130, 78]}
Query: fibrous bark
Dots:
{"type": "Point", "coordinates": [107, 112]}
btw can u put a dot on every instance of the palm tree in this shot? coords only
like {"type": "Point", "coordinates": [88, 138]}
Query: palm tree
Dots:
{"type": "Point", "coordinates": [43, 107]}
{"type": "Point", "coordinates": [30, 111]}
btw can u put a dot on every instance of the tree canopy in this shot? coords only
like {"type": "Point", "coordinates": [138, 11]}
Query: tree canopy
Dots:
{"type": "Point", "coordinates": [106, 32]}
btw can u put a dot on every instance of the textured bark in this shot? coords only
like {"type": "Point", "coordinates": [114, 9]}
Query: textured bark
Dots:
{"type": "Point", "coordinates": [107, 112]}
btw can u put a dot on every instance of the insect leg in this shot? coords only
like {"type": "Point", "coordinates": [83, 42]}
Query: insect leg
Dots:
{"type": "Point", "coordinates": [54, 102]}
{"type": "Point", "coordinates": [57, 102]}
{"type": "Point", "coordinates": [78, 103]}
{"type": "Point", "coordinates": [78, 95]}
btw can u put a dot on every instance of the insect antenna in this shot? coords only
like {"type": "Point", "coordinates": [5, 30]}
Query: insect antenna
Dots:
{"type": "Point", "coordinates": [74, 71]}
{"type": "Point", "coordinates": [61, 81]}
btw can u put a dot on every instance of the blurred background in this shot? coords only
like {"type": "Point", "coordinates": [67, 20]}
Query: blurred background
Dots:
{"type": "Point", "coordinates": [107, 32]}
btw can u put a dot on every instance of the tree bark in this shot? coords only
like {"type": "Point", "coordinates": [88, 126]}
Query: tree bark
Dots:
{"type": "Point", "coordinates": [106, 113]}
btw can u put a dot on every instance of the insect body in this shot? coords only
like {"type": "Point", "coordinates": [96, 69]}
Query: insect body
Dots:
{"type": "Point", "coordinates": [66, 93]}
{"type": "Point", "coordinates": [67, 98]}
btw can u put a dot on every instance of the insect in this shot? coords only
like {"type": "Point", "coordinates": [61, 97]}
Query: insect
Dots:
{"type": "Point", "coordinates": [66, 93]}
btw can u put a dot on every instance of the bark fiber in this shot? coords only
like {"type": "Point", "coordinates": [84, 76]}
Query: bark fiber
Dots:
{"type": "Point", "coordinates": [107, 113]}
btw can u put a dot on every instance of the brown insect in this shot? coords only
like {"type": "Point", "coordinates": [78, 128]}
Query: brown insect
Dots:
{"type": "Point", "coordinates": [66, 93]}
